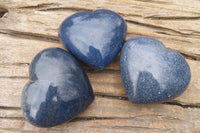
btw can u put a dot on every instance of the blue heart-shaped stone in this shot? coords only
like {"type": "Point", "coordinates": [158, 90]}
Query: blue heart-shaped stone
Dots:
{"type": "Point", "coordinates": [58, 89]}
{"type": "Point", "coordinates": [94, 37]}
{"type": "Point", "coordinates": [151, 73]}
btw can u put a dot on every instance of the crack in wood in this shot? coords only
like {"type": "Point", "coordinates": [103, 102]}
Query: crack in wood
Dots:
{"type": "Point", "coordinates": [14, 64]}
{"type": "Point", "coordinates": [178, 18]}
{"type": "Point", "coordinates": [29, 35]}
{"type": "Point", "coordinates": [13, 118]}
{"type": "Point", "coordinates": [183, 105]}
{"type": "Point", "coordinates": [66, 8]}
{"type": "Point", "coordinates": [14, 77]}
{"type": "Point", "coordinates": [111, 96]}
{"type": "Point", "coordinates": [91, 118]}
{"type": "Point", "coordinates": [154, 1]}
{"type": "Point", "coordinates": [42, 5]}
{"type": "Point", "coordinates": [88, 118]}
{"type": "Point", "coordinates": [54, 7]}
{"type": "Point", "coordinates": [105, 71]}
{"type": "Point", "coordinates": [173, 102]}
{"type": "Point", "coordinates": [190, 56]}
{"type": "Point", "coordinates": [3, 11]}
{"type": "Point", "coordinates": [130, 127]}
{"type": "Point", "coordinates": [10, 108]}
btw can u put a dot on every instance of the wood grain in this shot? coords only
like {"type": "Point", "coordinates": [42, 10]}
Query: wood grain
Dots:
{"type": "Point", "coordinates": [115, 113]}
{"type": "Point", "coordinates": [27, 27]}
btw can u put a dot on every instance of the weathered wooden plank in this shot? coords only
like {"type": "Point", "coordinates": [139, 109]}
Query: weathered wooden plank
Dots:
{"type": "Point", "coordinates": [107, 126]}
{"type": "Point", "coordinates": [9, 131]}
{"type": "Point", "coordinates": [104, 82]}
{"type": "Point", "coordinates": [10, 112]}
{"type": "Point", "coordinates": [27, 27]}
{"type": "Point", "coordinates": [140, 124]}
{"type": "Point", "coordinates": [10, 124]}
{"type": "Point", "coordinates": [24, 50]}
{"type": "Point", "coordinates": [116, 108]}
{"type": "Point", "coordinates": [115, 114]}
{"type": "Point", "coordinates": [14, 72]}
{"type": "Point", "coordinates": [177, 27]}
{"type": "Point", "coordinates": [15, 50]}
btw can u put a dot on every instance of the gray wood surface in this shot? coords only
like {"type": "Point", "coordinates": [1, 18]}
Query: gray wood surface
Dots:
{"type": "Point", "coordinates": [29, 26]}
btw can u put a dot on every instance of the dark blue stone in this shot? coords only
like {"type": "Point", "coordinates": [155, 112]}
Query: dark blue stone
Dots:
{"type": "Point", "coordinates": [151, 73]}
{"type": "Point", "coordinates": [94, 37]}
{"type": "Point", "coordinates": [58, 89]}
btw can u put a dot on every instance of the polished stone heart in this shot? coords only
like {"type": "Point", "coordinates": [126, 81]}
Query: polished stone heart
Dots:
{"type": "Point", "coordinates": [58, 89]}
{"type": "Point", "coordinates": [151, 73]}
{"type": "Point", "coordinates": [94, 37]}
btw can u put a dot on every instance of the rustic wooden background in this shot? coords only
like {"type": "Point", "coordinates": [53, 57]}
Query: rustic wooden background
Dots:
{"type": "Point", "coordinates": [29, 26]}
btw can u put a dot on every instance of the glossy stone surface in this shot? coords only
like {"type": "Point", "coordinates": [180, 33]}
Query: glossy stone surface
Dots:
{"type": "Point", "coordinates": [58, 89]}
{"type": "Point", "coordinates": [151, 73]}
{"type": "Point", "coordinates": [94, 37]}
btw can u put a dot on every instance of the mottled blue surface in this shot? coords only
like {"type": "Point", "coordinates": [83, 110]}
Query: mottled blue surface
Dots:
{"type": "Point", "coordinates": [151, 73]}
{"type": "Point", "coordinates": [94, 37]}
{"type": "Point", "coordinates": [58, 89]}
